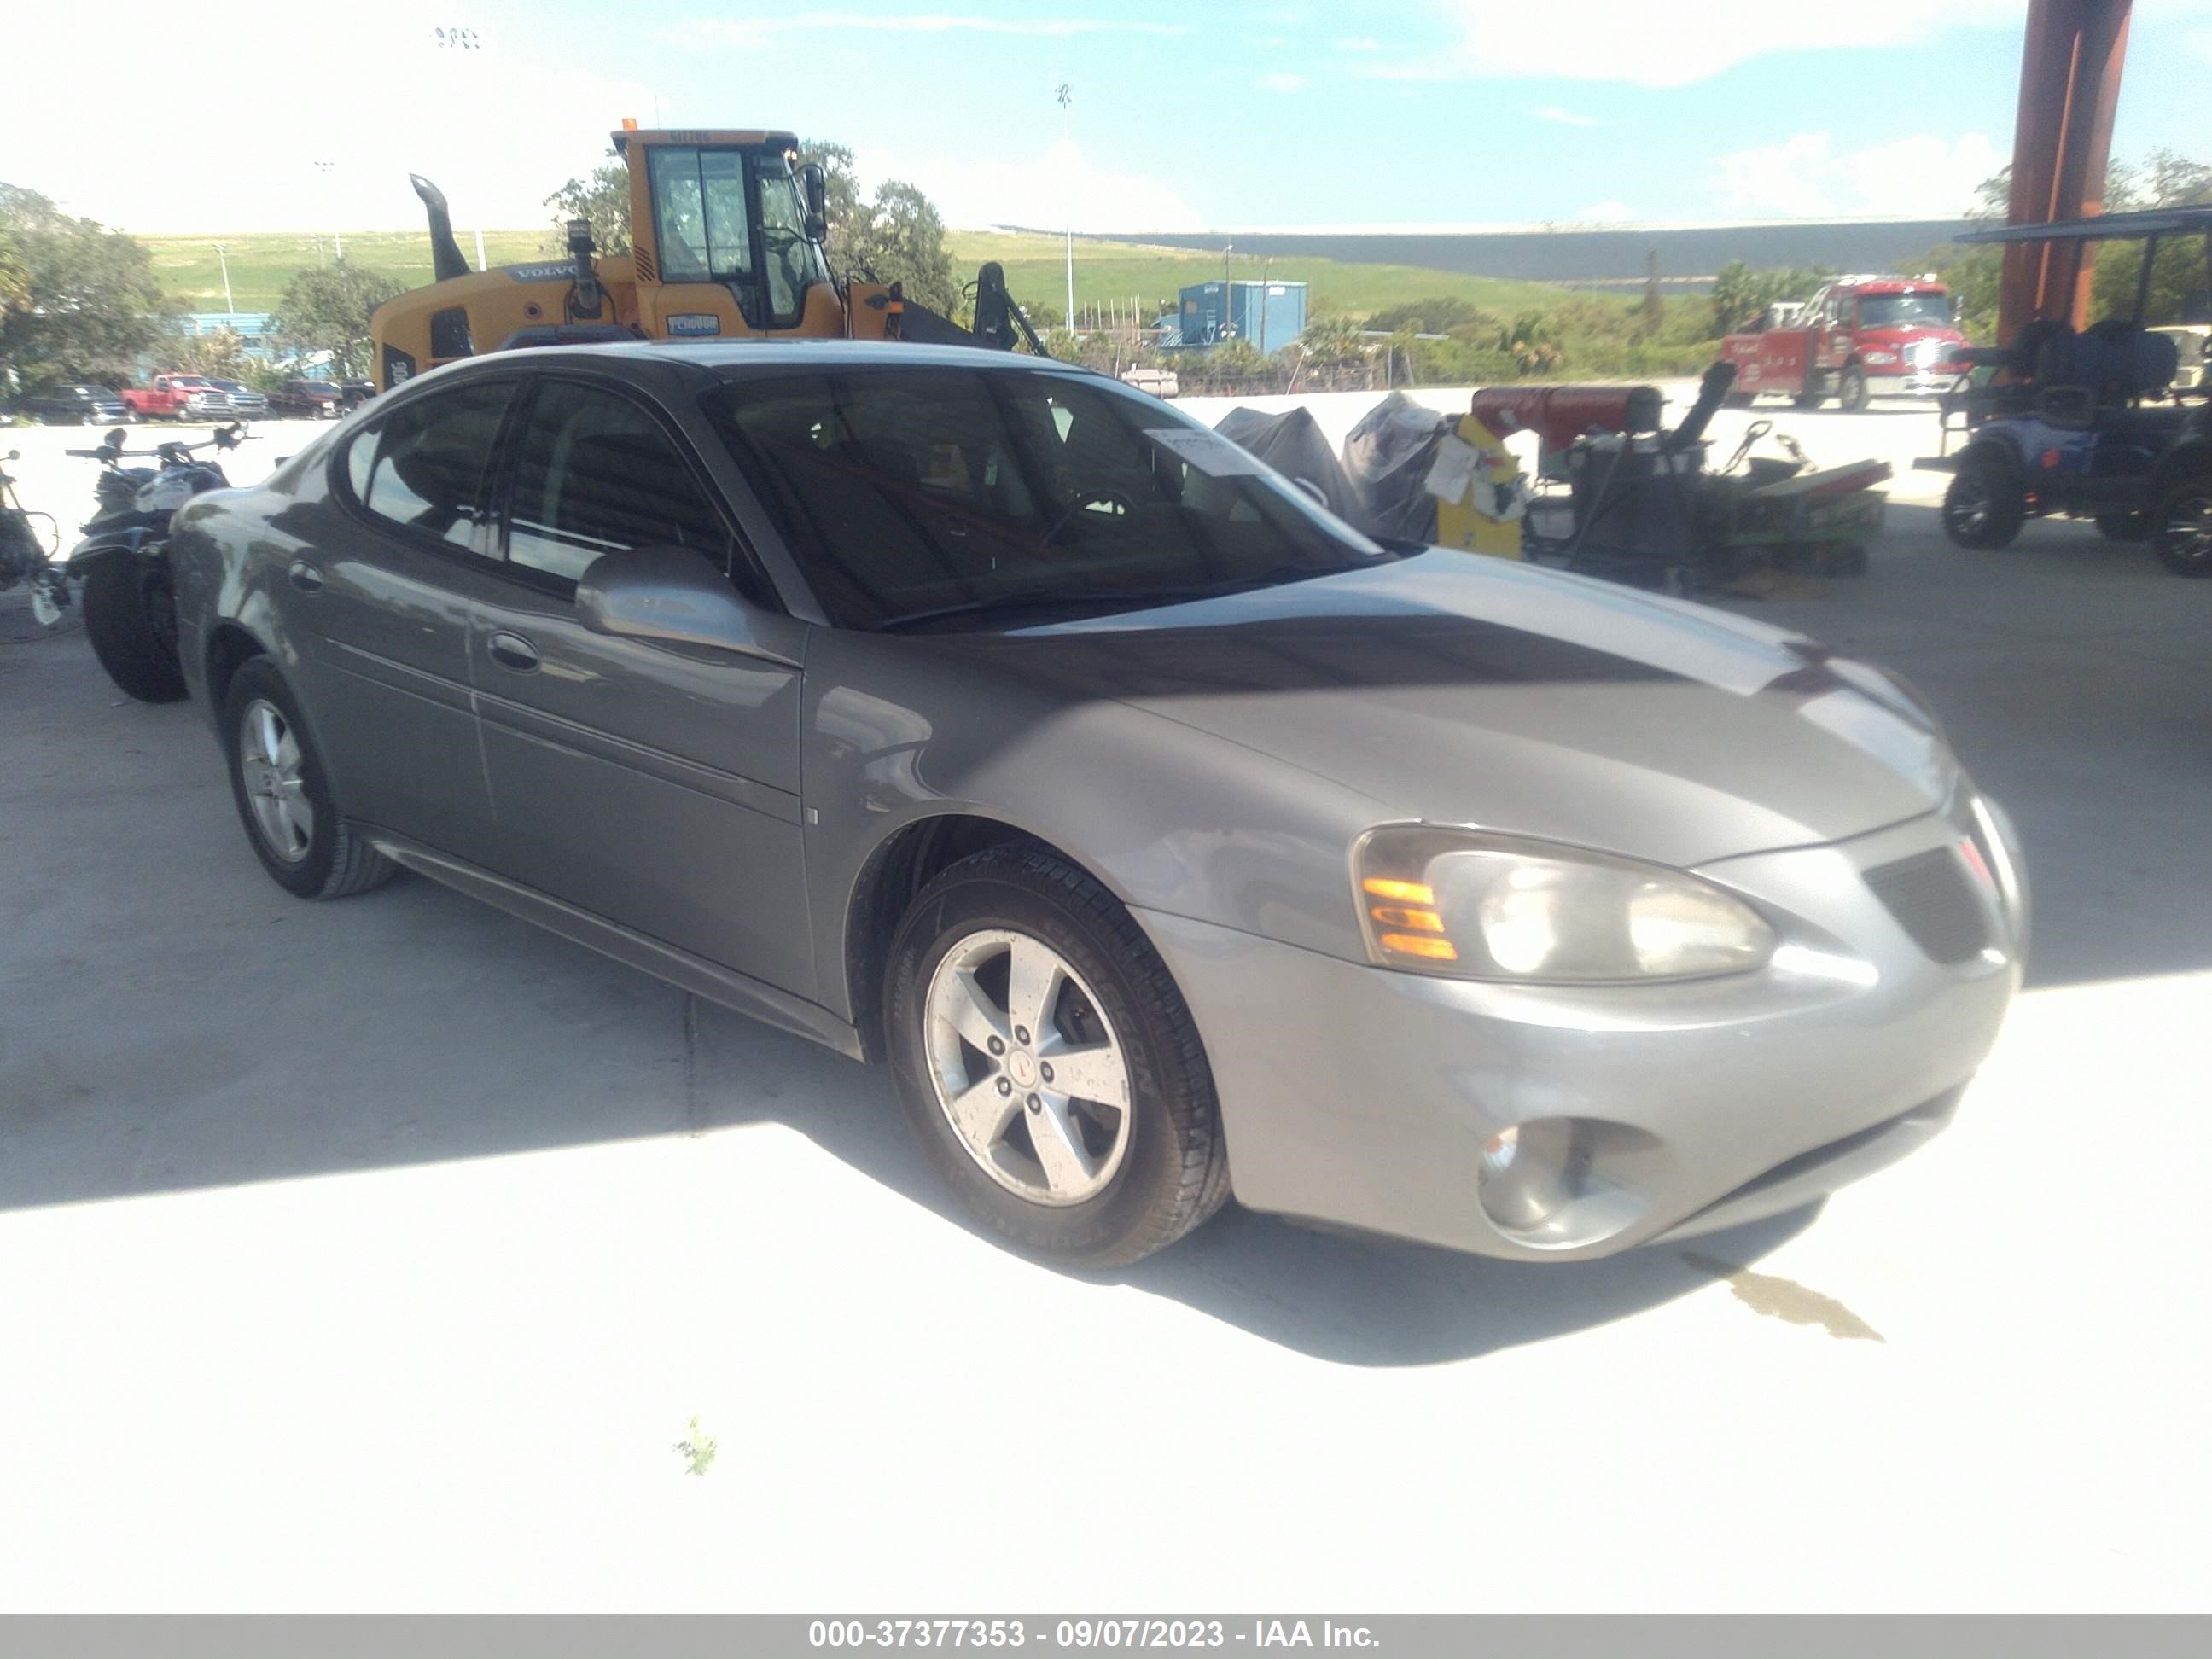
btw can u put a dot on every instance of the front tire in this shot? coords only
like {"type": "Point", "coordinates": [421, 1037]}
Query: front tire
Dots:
{"type": "Point", "coordinates": [130, 617]}
{"type": "Point", "coordinates": [2181, 527]}
{"type": "Point", "coordinates": [1851, 394]}
{"type": "Point", "coordinates": [284, 794]}
{"type": "Point", "coordinates": [1984, 506]}
{"type": "Point", "coordinates": [1049, 1066]}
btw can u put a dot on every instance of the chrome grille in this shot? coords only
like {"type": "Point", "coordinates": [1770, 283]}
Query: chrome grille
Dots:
{"type": "Point", "coordinates": [1933, 898]}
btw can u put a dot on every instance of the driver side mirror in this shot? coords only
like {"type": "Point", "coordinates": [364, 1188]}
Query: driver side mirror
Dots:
{"type": "Point", "coordinates": [673, 594]}
{"type": "Point", "coordinates": [814, 185]}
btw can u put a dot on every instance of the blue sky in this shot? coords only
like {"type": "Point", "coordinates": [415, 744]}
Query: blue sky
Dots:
{"type": "Point", "coordinates": [1221, 114]}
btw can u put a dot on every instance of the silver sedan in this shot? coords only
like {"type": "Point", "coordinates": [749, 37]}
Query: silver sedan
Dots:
{"type": "Point", "coordinates": [1167, 837]}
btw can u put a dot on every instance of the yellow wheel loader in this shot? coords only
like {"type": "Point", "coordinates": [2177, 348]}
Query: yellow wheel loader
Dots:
{"type": "Point", "coordinates": [726, 243]}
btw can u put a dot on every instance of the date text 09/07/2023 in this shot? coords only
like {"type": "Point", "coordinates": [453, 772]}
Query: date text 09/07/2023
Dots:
{"type": "Point", "coordinates": [1067, 1633]}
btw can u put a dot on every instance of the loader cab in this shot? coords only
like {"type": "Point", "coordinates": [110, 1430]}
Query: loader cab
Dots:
{"type": "Point", "coordinates": [726, 242]}
{"type": "Point", "coordinates": [726, 237]}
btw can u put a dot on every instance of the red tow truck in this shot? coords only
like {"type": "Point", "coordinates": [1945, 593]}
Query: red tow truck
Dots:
{"type": "Point", "coordinates": [1858, 338]}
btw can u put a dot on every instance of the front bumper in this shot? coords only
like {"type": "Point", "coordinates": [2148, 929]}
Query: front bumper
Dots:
{"type": "Point", "coordinates": [1364, 1099]}
{"type": "Point", "coordinates": [1917, 384]}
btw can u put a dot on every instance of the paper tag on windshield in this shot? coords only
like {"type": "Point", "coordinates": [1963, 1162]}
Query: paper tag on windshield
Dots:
{"type": "Point", "coordinates": [1452, 469]}
{"type": "Point", "coordinates": [1209, 451]}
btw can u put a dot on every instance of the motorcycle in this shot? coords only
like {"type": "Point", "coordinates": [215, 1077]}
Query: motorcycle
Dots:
{"type": "Point", "coordinates": [27, 558]}
{"type": "Point", "coordinates": [122, 566]}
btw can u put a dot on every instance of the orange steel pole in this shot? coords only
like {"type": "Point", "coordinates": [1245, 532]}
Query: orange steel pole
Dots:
{"type": "Point", "coordinates": [2069, 86]}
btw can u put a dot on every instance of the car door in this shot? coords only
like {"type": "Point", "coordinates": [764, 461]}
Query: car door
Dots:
{"type": "Point", "coordinates": [385, 599]}
{"type": "Point", "coordinates": [653, 784]}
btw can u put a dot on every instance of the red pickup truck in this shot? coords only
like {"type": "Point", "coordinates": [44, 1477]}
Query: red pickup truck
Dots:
{"type": "Point", "coordinates": [179, 398]}
{"type": "Point", "coordinates": [1858, 338]}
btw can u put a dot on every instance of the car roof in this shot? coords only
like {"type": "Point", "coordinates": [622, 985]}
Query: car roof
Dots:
{"type": "Point", "coordinates": [741, 359]}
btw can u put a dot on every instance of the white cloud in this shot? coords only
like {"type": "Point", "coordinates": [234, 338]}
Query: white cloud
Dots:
{"type": "Point", "coordinates": [1605, 213]}
{"type": "Point", "coordinates": [496, 127]}
{"type": "Point", "coordinates": [752, 32]}
{"type": "Point", "coordinates": [1664, 45]}
{"type": "Point", "coordinates": [1283, 81]}
{"type": "Point", "coordinates": [1060, 188]}
{"type": "Point", "coordinates": [1358, 43]}
{"type": "Point", "coordinates": [1565, 117]}
{"type": "Point", "coordinates": [1805, 177]}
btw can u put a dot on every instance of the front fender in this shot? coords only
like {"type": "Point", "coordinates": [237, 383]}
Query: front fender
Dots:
{"type": "Point", "coordinates": [2000, 449]}
{"type": "Point", "coordinates": [137, 542]}
{"type": "Point", "coordinates": [2190, 458]}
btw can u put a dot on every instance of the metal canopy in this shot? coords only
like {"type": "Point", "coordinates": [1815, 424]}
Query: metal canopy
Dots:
{"type": "Point", "coordinates": [2105, 228]}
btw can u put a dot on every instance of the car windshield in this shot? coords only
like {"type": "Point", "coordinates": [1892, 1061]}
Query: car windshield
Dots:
{"type": "Point", "coordinates": [318, 386]}
{"type": "Point", "coordinates": [1904, 310]}
{"type": "Point", "coordinates": [922, 496]}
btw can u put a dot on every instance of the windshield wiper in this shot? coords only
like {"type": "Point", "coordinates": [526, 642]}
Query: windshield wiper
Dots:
{"type": "Point", "coordinates": [1134, 598]}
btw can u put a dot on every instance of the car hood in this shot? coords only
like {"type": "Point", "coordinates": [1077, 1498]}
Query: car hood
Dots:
{"type": "Point", "coordinates": [1457, 689]}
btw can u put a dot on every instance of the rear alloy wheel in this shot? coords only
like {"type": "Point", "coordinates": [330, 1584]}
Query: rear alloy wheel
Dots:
{"type": "Point", "coordinates": [1851, 394]}
{"type": "Point", "coordinates": [277, 780]}
{"type": "Point", "coordinates": [1984, 506]}
{"type": "Point", "coordinates": [1049, 1065]}
{"type": "Point", "coordinates": [2181, 528]}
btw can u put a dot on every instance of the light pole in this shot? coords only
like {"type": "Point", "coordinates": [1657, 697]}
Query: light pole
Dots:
{"type": "Point", "coordinates": [1066, 97]}
{"type": "Point", "coordinates": [1228, 327]}
{"type": "Point", "coordinates": [222, 257]}
{"type": "Point", "coordinates": [329, 171]}
{"type": "Point", "coordinates": [1266, 266]}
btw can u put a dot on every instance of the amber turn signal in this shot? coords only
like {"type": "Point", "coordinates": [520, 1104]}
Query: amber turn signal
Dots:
{"type": "Point", "coordinates": [1406, 892]}
{"type": "Point", "coordinates": [1419, 944]}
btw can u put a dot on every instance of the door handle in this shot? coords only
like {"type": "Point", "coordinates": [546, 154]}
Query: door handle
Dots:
{"type": "Point", "coordinates": [513, 651]}
{"type": "Point", "coordinates": [306, 577]}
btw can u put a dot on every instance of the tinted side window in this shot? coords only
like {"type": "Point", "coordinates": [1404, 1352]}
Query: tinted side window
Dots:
{"type": "Point", "coordinates": [422, 467]}
{"type": "Point", "coordinates": [595, 474]}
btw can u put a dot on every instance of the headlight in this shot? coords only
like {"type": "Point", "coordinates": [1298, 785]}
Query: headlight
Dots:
{"type": "Point", "coordinates": [1468, 905]}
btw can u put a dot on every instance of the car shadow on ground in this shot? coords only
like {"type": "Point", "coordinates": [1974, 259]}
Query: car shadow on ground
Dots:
{"type": "Point", "coordinates": [1353, 1300]}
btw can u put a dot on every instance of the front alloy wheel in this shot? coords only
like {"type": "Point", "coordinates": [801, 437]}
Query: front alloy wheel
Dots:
{"type": "Point", "coordinates": [1027, 1071]}
{"type": "Point", "coordinates": [1048, 1063]}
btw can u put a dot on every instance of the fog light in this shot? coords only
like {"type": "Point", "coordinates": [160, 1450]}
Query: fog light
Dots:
{"type": "Point", "coordinates": [1528, 1171]}
{"type": "Point", "coordinates": [1498, 1156]}
{"type": "Point", "coordinates": [1562, 1183]}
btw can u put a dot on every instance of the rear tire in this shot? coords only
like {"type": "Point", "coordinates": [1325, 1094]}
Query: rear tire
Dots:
{"type": "Point", "coordinates": [1739, 400]}
{"type": "Point", "coordinates": [130, 617]}
{"type": "Point", "coordinates": [2181, 527]}
{"type": "Point", "coordinates": [1984, 506]}
{"type": "Point", "coordinates": [1150, 1166]}
{"type": "Point", "coordinates": [284, 796]}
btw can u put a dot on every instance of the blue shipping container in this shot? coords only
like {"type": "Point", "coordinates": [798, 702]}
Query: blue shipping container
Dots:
{"type": "Point", "coordinates": [1270, 315]}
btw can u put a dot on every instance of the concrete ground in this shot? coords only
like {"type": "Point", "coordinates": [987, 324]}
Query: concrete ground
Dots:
{"type": "Point", "coordinates": [378, 1254]}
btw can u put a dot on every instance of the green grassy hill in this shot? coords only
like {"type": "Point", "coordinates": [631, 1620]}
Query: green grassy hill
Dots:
{"type": "Point", "coordinates": [1104, 272]}
{"type": "Point", "coordinates": [261, 264]}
